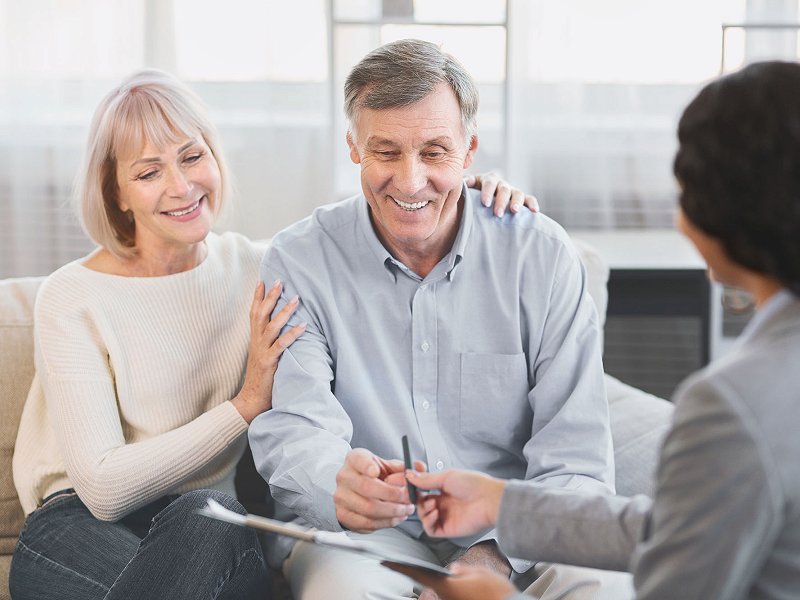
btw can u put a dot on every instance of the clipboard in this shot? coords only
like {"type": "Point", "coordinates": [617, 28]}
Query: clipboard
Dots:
{"type": "Point", "coordinates": [330, 539]}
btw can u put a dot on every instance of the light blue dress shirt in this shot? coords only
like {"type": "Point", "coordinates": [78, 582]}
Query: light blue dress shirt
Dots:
{"type": "Point", "coordinates": [492, 362]}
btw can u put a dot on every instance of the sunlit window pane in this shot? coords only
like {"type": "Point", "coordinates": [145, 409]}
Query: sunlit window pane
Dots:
{"type": "Point", "coordinates": [432, 11]}
{"type": "Point", "coordinates": [245, 40]}
{"type": "Point", "coordinates": [748, 44]}
{"type": "Point", "coordinates": [459, 11]}
{"type": "Point", "coordinates": [643, 41]}
{"type": "Point", "coordinates": [70, 39]}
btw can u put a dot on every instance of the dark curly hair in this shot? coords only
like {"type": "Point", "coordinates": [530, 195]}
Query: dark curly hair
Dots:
{"type": "Point", "coordinates": [739, 167]}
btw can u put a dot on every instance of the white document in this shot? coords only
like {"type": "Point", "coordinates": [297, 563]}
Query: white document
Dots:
{"type": "Point", "coordinates": [339, 540]}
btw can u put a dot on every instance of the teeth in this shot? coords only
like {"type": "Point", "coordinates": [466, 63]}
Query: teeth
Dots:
{"type": "Point", "coordinates": [410, 206]}
{"type": "Point", "coordinates": [186, 211]}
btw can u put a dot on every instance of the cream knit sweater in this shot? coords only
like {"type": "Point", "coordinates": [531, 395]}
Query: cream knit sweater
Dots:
{"type": "Point", "coordinates": [133, 377]}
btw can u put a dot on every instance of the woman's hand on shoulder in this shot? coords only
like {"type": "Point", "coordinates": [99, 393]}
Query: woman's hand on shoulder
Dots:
{"type": "Point", "coordinates": [501, 193]}
{"type": "Point", "coordinates": [265, 349]}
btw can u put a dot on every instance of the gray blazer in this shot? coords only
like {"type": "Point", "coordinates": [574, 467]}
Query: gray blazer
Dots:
{"type": "Point", "coordinates": [725, 520]}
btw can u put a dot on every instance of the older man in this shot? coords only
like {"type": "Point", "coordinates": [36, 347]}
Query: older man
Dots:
{"type": "Point", "coordinates": [428, 317]}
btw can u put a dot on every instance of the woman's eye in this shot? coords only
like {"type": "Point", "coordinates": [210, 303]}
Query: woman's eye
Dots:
{"type": "Point", "coordinates": [193, 158]}
{"type": "Point", "coordinates": [147, 176]}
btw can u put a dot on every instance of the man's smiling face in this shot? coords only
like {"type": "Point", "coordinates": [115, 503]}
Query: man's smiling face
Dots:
{"type": "Point", "coordinates": [412, 162]}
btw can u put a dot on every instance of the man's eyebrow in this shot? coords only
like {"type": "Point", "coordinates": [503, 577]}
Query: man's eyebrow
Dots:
{"type": "Point", "coordinates": [374, 142]}
{"type": "Point", "coordinates": [156, 159]}
{"type": "Point", "coordinates": [442, 140]}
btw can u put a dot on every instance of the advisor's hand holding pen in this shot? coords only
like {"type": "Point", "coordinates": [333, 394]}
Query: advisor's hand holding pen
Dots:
{"type": "Point", "coordinates": [371, 492]}
{"type": "Point", "coordinates": [467, 502]}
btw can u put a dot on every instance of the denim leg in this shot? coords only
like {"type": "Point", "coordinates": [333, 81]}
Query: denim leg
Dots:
{"type": "Point", "coordinates": [185, 555]}
{"type": "Point", "coordinates": [65, 552]}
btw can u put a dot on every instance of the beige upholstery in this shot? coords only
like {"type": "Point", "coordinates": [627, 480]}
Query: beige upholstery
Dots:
{"type": "Point", "coordinates": [16, 372]}
{"type": "Point", "coordinates": [638, 420]}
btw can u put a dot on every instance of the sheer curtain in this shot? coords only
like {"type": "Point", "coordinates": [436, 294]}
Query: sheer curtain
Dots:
{"type": "Point", "coordinates": [579, 98]}
{"type": "Point", "coordinates": [597, 89]}
{"type": "Point", "coordinates": [261, 68]}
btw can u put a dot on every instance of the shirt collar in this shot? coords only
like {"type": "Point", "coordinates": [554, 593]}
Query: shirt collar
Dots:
{"type": "Point", "coordinates": [464, 230]}
{"type": "Point", "coordinates": [782, 299]}
{"type": "Point", "coordinates": [453, 258]}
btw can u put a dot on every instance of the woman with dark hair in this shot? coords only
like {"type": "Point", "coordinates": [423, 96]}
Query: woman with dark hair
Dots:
{"type": "Point", "coordinates": [725, 518]}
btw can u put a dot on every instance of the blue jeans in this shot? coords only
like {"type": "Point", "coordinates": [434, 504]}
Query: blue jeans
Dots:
{"type": "Point", "coordinates": [163, 550]}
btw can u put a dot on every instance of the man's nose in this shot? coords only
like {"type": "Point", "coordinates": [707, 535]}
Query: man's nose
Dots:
{"type": "Point", "coordinates": [411, 177]}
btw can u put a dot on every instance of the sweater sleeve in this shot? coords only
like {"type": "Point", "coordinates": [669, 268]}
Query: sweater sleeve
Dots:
{"type": "Point", "coordinates": [112, 475]}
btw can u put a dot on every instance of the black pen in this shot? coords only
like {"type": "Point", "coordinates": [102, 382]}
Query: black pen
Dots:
{"type": "Point", "coordinates": [412, 490]}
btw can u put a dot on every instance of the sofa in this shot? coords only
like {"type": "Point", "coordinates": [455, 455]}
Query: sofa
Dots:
{"type": "Point", "coordinates": [638, 420]}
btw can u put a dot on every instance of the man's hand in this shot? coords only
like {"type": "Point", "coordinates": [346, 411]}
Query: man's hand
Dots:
{"type": "Point", "coordinates": [370, 492]}
{"type": "Point", "coordinates": [468, 502]}
{"type": "Point", "coordinates": [491, 186]}
{"type": "Point", "coordinates": [466, 583]}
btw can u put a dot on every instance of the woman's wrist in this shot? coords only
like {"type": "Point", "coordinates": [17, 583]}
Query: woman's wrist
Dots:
{"type": "Point", "coordinates": [494, 497]}
{"type": "Point", "coordinates": [247, 409]}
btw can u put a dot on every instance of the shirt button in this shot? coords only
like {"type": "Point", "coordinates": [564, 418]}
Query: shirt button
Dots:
{"type": "Point", "coordinates": [426, 405]}
{"type": "Point", "coordinates": [439, 465]}
{"type": "Point", "coordinates": [425, 346]}
{"type": "Point", "coordinates": [423, 286]}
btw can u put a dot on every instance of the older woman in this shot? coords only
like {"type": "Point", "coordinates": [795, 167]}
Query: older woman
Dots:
{"type": "Point", "coordinates": [725, 519]}
{"type": "Point", "coordinates": [148, 369]}
{"type": "Point", "coordinates": [140, 401]}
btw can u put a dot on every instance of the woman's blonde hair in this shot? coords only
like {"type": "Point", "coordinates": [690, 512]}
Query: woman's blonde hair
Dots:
{"type": "Point", "coordinates": [151, 107]}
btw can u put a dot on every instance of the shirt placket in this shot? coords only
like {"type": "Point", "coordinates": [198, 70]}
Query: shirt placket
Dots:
{"type": "Point", "coordinates": [425, 361]}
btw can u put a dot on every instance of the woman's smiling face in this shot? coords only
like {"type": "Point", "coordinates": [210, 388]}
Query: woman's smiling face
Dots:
{"type": "Point", "coordinates": [171, 192]}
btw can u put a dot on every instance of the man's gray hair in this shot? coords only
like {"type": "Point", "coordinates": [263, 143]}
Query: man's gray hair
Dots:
{"type": "Point", "coordinates": [404, 72]}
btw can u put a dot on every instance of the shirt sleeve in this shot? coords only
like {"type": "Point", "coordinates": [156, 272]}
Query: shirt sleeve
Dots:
{"type": "Point", "coordinates": [300, 444]}
{"type": "Point", "coordinates": [570, 444]}
{"type": "Point", "coordinates": [717, 512]}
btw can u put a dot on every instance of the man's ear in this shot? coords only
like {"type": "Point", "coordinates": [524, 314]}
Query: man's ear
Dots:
{"type": "Point", "coordinates": [354, 155]}
{"type": "Point", "coordinates": [473, 147]}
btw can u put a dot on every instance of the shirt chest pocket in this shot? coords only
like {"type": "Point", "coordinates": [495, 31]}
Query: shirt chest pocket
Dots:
{"type": "Point", "coordinates": [494, 405]}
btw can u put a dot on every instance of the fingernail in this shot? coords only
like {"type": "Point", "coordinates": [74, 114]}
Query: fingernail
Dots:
{"type": "Point", "coordinates": [410, 509]}
{"type": "Point", "coordinates": [294, 300]}
{"type": "Point", "coordinates": [514, 207]}
{"type": "Point", "coordinates": [485, 201]}
{"type": "Point", "coordinates": [302, 325]}
{"type": "Point", "coordinates": [276, 283]}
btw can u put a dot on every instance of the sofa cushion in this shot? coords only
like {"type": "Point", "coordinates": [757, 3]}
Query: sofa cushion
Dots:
{"type": "Point", "coordinates": [16, 372]}
{"type": "Point", "coordinates": [639, 423]}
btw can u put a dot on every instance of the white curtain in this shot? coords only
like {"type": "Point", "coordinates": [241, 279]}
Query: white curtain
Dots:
{"type": "Point", "coordinates": [586, 120]}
